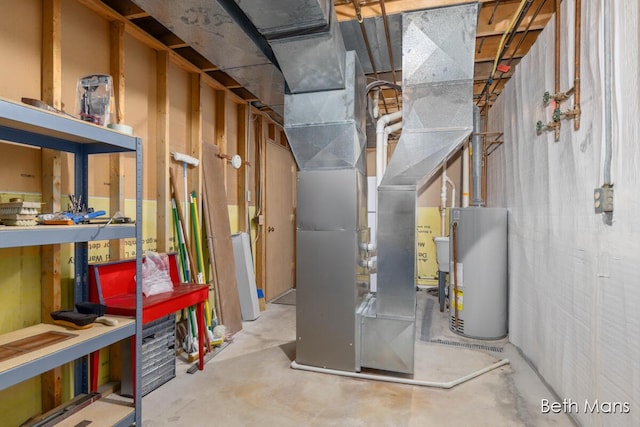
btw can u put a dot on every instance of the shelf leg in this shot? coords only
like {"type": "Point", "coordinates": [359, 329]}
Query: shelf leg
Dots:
{"type": "Point", "coordinates": [94, 364]}
{"type": "Point", "coordinates": [201, 334]}
{"type": "Point", "coordinates": [133, 366]}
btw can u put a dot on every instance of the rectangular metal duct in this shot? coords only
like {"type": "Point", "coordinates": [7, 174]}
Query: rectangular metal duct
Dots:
{"type": "Point", "coordinates": [306, 40]}
{"type": "Point", "coordinates": [374, 27]}
{"type": "Point", "coordinates": [279, 18]}
{"type": "Point", "coordinates": [437, 63]}
{"type": "Point", "coordinates": [265, 81]}
{"type": "Point", "coordinates": [437, 73]}
{"type": "Point", "coordinates": [326, 129]}
{"type": "Point", "coordinates": [313, 61]}
{"type": "Point", "coordinates": [209, 28]}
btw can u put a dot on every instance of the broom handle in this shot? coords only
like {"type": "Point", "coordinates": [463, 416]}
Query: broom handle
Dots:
{"type": "Point", "coordinates": [179, 243]}
{"type": "Point", "coordinates": [180, 216]}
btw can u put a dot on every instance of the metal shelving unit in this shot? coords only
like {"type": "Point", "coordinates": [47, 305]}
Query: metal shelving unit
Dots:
{"type": "Point", "coordinates": [27, 125]}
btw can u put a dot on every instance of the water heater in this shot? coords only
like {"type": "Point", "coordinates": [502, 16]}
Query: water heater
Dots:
{"type": "Point", "coordinates": [478, 272]}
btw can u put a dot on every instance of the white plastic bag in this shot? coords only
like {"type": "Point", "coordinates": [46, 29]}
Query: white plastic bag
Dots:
{"type": "Point", "coordinates": [155, 274]}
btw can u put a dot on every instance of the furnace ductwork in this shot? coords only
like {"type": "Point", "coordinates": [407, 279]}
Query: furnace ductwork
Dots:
{"type": "Point", "coordinates": [437, 92]}
{"type": "Point", "coordinates": [224, 36]}
{"type": "Point", "coordinates": [326, 134]}
{"type": "Point", "coordinates": [306, 39]}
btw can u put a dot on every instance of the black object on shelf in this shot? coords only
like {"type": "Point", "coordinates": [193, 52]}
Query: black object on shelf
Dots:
{"type": "Point", "coordinates": [91, 308]}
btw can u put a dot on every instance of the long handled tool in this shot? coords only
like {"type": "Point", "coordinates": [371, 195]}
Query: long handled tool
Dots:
{"type": "Point", "coordinates": [186, 160]}
{"type": "Point", "coordinates": [201, 274]}
{"type": "Point", "coordinates": [184, 246]}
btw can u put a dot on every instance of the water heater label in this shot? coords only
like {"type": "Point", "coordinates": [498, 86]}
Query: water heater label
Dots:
{"type": "Point", "coordinates": [459, 299]}
{"type": "Point", "coordinates": [460, 275]}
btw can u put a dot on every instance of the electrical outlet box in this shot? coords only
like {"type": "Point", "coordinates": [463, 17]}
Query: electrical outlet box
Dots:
{"type": "Point", "coordinates": [603, 199]}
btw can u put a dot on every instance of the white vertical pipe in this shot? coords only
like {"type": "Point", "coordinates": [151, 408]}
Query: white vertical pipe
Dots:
{"type": "Point", "coordinates": [453, 192]}
{"type": "Point", "coordinates": [380, 152]}
{"type": "Point", "coordinates": [607, 92]}
{"type": "Point", "coordinates": [385, 142]}
{"type": "Point", "coordinates": [376, 107]}
{"type": "Point", "coordinates": [465, 176]}
{"type": "Point", "coordinates": [443, 195]}
{"type": "Point", "coordinates": [443, 198]}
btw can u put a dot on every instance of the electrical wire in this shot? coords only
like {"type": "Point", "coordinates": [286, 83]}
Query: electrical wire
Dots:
{"type": "Point", "coordinates": [382, 83]}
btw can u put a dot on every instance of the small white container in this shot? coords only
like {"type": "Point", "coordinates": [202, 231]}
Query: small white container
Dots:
{"type": "Point", "coordinates": [442, 253]}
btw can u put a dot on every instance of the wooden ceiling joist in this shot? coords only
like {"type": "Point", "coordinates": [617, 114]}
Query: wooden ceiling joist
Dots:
{"type": "Point", "coordinates": [493, 19]}
{"type": "Point", "coordinates": [492, 24]}
{"type": "Point", "coordinates": [487, 52]}
{"type": "Point", "coordinates": [104, 10]}
{"type": "Point", "coordinates": [224, 79]}
{"type": "Point", "coordinates": [346, 12]}
{"type": "Point", "coordinates": [172, 41]}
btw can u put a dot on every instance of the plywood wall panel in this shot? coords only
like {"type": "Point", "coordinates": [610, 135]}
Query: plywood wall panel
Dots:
{"type": "Point", "coordinates": [231, 123]}
{"type": "Point", "coordinates": [430, 194]}
{"type": "Point", "coordinates": [21, 47]}
{"type": "Point", "coordinates": [85, 51]}
{"type": "Point", "coordinates": [179, 125]}
{"type": "Point", "coordinates": [20, 169]}
{"type": "Point", "coordinates": [208, 105]}
{"type": "Point", "coordinates": [20, 75]}
{"type": "Point", "coordinates": [141, 113]}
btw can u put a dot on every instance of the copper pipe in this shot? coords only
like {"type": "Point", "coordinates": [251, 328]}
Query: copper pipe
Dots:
{"type": "Point", "coordinates": [386, 33]}
{"type": "Point", "coordinates": [576, 73]}
{"type": "Point", "coordinates": [493, 14]}
{"type": "Point", "coordinates": [556, 129]}
{"type": "Point", "coordinates": [454, 235]}
{"type": "Point", "coordinates": [484, 156]}
{"type": "Point", "coordinates": [367, 45]}
{"type": "Point", "coordinates": [363, 30]}
{"type": "Point", "coordinates": [557, 63]}
{"type": "Point", "coordinates": [484, 171]}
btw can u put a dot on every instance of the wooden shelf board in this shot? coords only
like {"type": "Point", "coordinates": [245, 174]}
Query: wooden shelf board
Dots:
{"type": "Point", "coordinates": [107, 411]}
{"type": "Point", "coordinates": [95, 332]}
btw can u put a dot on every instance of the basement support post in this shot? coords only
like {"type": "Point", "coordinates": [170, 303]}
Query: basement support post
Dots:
{"type": "Point", "coordinates": [165, 221]}
{"type": "Point", "coordinates": [195, 146]}
{"type": "Point", "coordinates": [51, 182]}
{"type": "Point", "coordinates": [116, 163]}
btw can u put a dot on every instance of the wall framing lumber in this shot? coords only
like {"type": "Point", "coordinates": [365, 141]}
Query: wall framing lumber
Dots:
{"type": "Point", "coordinates": [116, 163]}
{"type": "Point", "coordinates": [51, 88]}
{"type": "Point", "coordinates": [221, 127]}
{"type": "Point", "coordinates": [195, 146]}
{"type": "Point", "coordinates": [242, 184]}
{"type": "Point", "coordinates": [163, 225]}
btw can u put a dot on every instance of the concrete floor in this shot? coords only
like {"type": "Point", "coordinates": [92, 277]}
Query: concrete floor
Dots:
{"type": "Point", "coordinates": [250, 383]}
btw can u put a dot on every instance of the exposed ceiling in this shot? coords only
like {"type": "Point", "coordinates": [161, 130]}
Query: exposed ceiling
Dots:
{"type": "Point", "coordinates": [494, 19]}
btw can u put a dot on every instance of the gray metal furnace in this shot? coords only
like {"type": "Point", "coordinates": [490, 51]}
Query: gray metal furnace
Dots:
{"type": "Point", "coordinates": [339, 323]}
{"type": "Point", "coordinates": [326, 134]}
{"type": "Point", "coordinates": [479, 279]}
